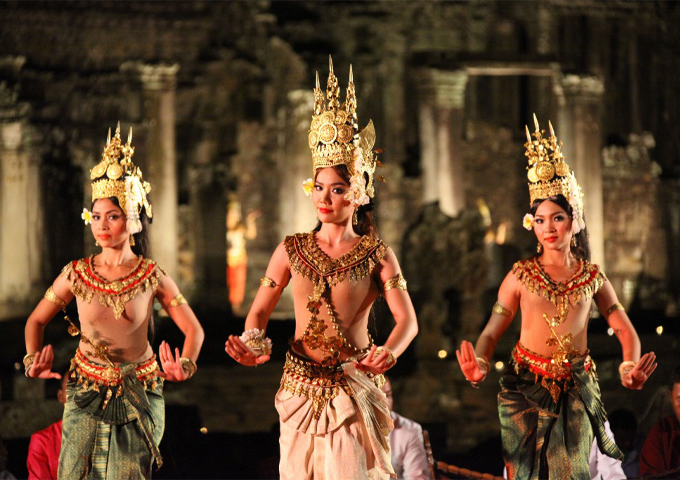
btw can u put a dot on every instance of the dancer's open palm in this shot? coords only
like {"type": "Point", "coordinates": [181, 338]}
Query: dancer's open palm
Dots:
{"type": "Point", "coordinates": [42, 364]}
{"type": "Point", "coordinates": [172, 366]}
{"type": "Point", "coordinates": [468, 362]}
{"type": "Point", "coordinates": [639, 374]}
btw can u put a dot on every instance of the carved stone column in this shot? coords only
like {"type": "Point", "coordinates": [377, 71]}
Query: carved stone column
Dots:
{"type": "Point", "coordinates": [158, 84]}
{"type": "Point", "coordinates": [441, 112]}
{"type": "Point", "coordinates": [19, 253]}
{"type": "Point", "coordinates": [296, 211]}
{"type": "Point", "coordinates": [580, 100]}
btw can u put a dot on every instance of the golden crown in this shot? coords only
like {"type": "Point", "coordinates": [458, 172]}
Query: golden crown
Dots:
{"type": "Point", "coordinates": [116, 176]}
{"type": "Point", "coordinates": [549, 174]}
{"type": "Point", "coordinates": [334, 135]}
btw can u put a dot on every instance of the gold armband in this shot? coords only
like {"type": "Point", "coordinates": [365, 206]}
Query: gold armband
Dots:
{"type": "Point", "coordinates": [615, 307]}
{"type": "Point", "coordinates": [189, 366]}
{"type": "Point", "coordinates": [50, 296]}
{"type": "Point", "coordinates": [498, 308]}
{"type": "Point", "coordinates": [398, 281]}
{"type": "Point", "coordinates": [177, 301]}
{"type": "Point", "coordinates": [267, 282]}
{"type": "Point", "coordinates": [626, 367]}
{"type": "Point", "coordinates": [29, 358]}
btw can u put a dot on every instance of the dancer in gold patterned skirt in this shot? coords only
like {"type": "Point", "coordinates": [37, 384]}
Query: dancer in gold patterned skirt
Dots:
{"type": "Point", "coordinates": [114, 412]}
{"type": "Point", "coordinates": [334, 417]}
{"type": "Point", "coordinates": [549, 405]}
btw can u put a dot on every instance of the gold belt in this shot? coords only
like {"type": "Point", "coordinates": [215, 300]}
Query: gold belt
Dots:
{"type": "Point", "coordinates": [307, 378]}
{"type": "Point", "coordinates": [554, 378]}
{"type": "Point", "coordinates": [96, 375]}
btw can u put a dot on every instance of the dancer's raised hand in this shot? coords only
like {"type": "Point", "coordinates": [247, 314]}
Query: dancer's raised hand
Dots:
{"type": "Point", "coordinates": [172, 365]}
{"type": "Point", "coordinates": [636, 377]}
{"type": "Point", "coordinates": [42, 364]}
{"type": "Point", "coordinates": [467, 360]}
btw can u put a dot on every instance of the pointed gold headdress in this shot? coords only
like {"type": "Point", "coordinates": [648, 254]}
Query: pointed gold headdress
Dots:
{"type": "Point", "coordinates": [335, 139]}
{"type": "Point", "coordinates": [116, 176]}
{"type": "Point", "coordinates": [549, 174]}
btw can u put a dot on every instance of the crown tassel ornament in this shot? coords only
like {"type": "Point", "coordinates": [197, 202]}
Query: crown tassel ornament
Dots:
{"type": "Point", "coordinates": [335, 138]}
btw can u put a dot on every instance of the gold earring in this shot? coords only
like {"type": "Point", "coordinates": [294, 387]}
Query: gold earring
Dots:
{"type": "Point", "coordinates": [573, 241]}
{"type": "Point", "coordinates": [539, 248]}
{"type": "Point", "coordinates": [132, 240]}
{"type": "Point", "coordinates": [96, 242]}
{"type": "Point", "coordinates": [355, 220]}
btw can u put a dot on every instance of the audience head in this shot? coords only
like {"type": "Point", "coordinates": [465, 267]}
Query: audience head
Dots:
{"type": "Point", "coordinates": [624, 427]}
{"type": "Point", "coordinates": [674, 386]}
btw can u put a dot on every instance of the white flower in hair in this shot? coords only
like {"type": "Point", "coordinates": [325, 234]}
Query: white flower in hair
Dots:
{"type": "Point", "coordinates": [308, 186]}
{"type": "Point", "coordinates": [86, 216]}
{"type": "Point", "coordinates": [528, 221]}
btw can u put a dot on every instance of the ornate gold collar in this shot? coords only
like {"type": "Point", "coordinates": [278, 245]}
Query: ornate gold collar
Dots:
{"type": "Point", "coordinates": [585, 283]}
{"type": "Point", "coordinates": [85, 282]}
{"type": "Point", "coordinates": [308, 260]}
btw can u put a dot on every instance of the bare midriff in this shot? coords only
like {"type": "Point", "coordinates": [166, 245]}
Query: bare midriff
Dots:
{"type": "Point", "coordinates": [126, 337]}
{"type": "Point", "coordinates": [535, 330]}
{"type": "Point", "coordinates": [351, 301]}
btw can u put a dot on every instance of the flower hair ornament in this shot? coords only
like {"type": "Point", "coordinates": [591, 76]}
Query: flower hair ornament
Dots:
{"type": "Point", "coordinates": [335, 139]}
{"type": "Point", "coordinates": [549, 175]}
{"type": "Point", "coordinates": [116, 176]}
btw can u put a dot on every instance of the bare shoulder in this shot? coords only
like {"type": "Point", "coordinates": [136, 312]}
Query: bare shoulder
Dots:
{"type": "Point", "coordinates": [511, 285]}
{"type": "Point", "coordinates": [280, 256]}
{"type": "Point", "coordinates": [389, 265]}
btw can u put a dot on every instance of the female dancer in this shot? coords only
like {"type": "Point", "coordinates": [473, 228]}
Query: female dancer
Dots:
{"type": "Point", "coordinates": [547, 426]}
{"type": "Point", "coordinates": [114, 414]}
{"type": "Point", "coordinates": [334, 417]}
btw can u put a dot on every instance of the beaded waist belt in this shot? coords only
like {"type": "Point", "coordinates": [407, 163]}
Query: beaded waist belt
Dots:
{"type": "Point", "coordinates": [545, 366]}
{"type": "Point", "coordinates": [307, 378]}
{"type": "Point", "coordinates": [85, 371]}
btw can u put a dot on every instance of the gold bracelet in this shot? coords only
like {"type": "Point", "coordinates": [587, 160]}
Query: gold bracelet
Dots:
{"type": "Point", "coordinates": [267, 282]}
{"type": "Point", "coordinates": [626, 367]}
{"type": "Point", "coordinates": [484, 363]}
{"type": "Point", "coordinates": [398, 281]}
{"type": "Point", "coordinates": [498, 308]}
{"type": "Point", "coordinates": [189, 366]}
{"type": "Point", "coordinates": [390, 354]}
{"type": "Point", "coordinates": [615, 307]}
{"type": "Point", "coordinates": [50, 296]}
{"type": "Point", "coordinates": [177, 301]}
{"type": "Point", "coordinates": [29, 358]}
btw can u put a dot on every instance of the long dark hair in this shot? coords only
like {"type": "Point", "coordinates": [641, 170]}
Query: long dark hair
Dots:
{"type": "Point", "coordinates": [582, 248]}
{"type": "Point", "coordinates": [365, 221]}
{"type": "Point", "coordinates": [142, 245]}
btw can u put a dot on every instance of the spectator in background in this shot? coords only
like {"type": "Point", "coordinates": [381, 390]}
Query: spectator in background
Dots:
{"type": "Point", "coordinates": [407, 449]}
{"type": "Point", "coordinates": [661, 451]}
{"type": "Point", "coordinates": [603, 467]}
{"type": "Point", "coordinates": [43, 451]}
{"type": "Point", "coordinates": [625, 428]}
{"type": "Point", "coordinates": [4, 474]}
